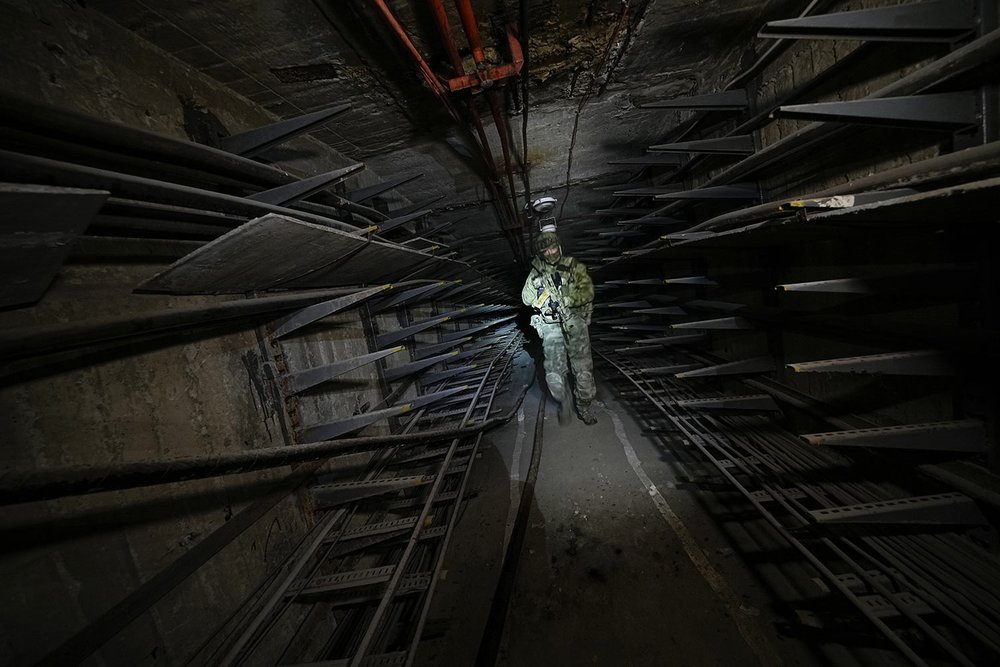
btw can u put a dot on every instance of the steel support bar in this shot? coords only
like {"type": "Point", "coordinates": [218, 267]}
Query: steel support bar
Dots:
{"type": "Point", "coordinates": [622, 212]}
{"type": "Point", "coordinates": [727, 100]}
{"type": "Point", "coordinates": [286, 194]}
{"type": "Point", "coordinates": [656, 371]}
{"type": "Point", "coordinates": [431, 378]}
{"type": "Point", "coordinates": [302, 380]}
{"type": "Point", "coordinates": [942, 110]}
{"type": "Point", "coordinates": [847, 200]}
{"type": "Point", "coordinates": [392, 223]}
{"type": "Point", "coordinates": [953, 436]}
{"type": "Point", "coordinates": [655, 221]}
{"type": "Point", "coordinates": [934, 21]}
{"type": "Point", "coordinates": [622, 234]}
{"type": "Point", "coordinates": [34, 340]}
{"type": "Point", "coordinates": [462, 333]}
{"type": "Point", "coordinates": [949, 283]}
{"type": "Point", "coordinates": [413, 208]}
{"type": "Point", "coordinates": [721, 323]}
{"type": "Point", "coordinates": [648, 191]}
{"type": "Point", "coordinates": [27, 168]}
{"type": "Point", "coordinates": [45, 484]}
{"type": "Point", "coordinates": [398, 372]}
{"type": "Point", "coordinates": [678, 340]}
{"type": "Point", "coordinates": [740, 144]}
{"type": "Point", "coordinates": [664, 160]}
{"type": "Point", "coordinates": [628, 304]}
{"type": "Point", "coordinates": [361, 194]}
{"type": "Point", "coordinates": [260, 139]}
{"type": "Point", "coordinates": [691, 280]}
{"type": "Point", "coordinates": [422, 352]}
{"type": "Point", "coordinates": [38, 226]}
{"type": "Point", "coordinates": [331, 430]}
{"type": "Point", "coordinates": [409, 296]}
{"type": "Point", "coordinates": [735, 191]}
{"type": "Point", "coordinates": [316, 312]}
{"type": "Point", "coordinates": [950, 509]}
{"type": "Point", "coordinates": [662, 310]}
{"type": "Point", "coordinates": [922, 362]}
{"type": "Point", "coordinates": [742, 367]}
{"type": "Point", "coordinates": [390, 337]}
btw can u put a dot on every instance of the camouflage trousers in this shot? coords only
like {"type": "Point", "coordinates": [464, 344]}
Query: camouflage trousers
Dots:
{"type": "Point", "coordinates": [566, 345]}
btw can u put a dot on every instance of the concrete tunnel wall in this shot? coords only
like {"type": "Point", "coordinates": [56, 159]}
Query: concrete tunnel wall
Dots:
{"type": "Point", "coordinates": [197, 394]}
{"type": "Point", "coordinates": [210, 393]}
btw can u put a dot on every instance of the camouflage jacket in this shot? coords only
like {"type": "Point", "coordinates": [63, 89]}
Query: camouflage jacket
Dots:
{"type": "Point", "coordinates": [567, 284]}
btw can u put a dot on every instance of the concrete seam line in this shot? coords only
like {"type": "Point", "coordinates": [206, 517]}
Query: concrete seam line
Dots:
{"type": "Point", "coordinates": [747, 628]}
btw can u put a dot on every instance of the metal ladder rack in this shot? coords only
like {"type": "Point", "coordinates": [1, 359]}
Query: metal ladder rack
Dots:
{"type": "Point", "coordinates": [929, 590]}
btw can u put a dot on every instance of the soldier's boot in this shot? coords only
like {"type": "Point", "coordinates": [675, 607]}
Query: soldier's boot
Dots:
{"type": "Point", "coordinates": [586, 416]}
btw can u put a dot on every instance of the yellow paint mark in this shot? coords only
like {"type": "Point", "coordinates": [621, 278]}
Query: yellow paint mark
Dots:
{"type": "Point", "coordinates": [399, 348]}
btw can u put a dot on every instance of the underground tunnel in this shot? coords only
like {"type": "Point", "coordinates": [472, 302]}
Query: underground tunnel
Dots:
{"type": "Point", "coordinates": [499, 332]}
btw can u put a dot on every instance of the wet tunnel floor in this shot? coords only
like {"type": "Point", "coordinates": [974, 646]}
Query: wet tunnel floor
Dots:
{"type": "Point", "coordinates": [621, 563]}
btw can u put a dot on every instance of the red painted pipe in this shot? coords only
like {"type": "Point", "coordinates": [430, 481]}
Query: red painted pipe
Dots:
{"type": "Point", "coordinates": [422, 65]}
{"type": "Point", "coordinates": [437, 7]}
{"type": "Point", "coordinates": [471, 29]}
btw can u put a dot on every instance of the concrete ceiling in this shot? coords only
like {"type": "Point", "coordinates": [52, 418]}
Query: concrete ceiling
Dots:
{"type": "Point", "coordinates": [591, 64]}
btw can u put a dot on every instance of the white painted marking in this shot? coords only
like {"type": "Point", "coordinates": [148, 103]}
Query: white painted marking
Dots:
{"type": "Point", "coordinates": [751, 633]}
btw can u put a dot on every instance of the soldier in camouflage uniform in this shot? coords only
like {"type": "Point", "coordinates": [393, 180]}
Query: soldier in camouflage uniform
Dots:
{"type": "Point", "coordinates": [562, 294]}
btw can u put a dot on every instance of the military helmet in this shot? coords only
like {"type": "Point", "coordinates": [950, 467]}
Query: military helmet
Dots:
{"type": "Point", "coordinates": [545, 240]}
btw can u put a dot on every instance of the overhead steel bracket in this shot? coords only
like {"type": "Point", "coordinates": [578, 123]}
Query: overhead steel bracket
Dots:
{"type": "Point", "coordinates": [392, 223]}
{"type": "Point", "coordinates": [920, 362]}
{"type": "Point", "coordinates": [340, 427]}
{"type": "Point", "coordinates": [691, 280]}
{"type": "Point", "coordinates": [662, 310]}
{"type": "Point", "coordinates": [655, 221]}
{"type": "Point", "coordinates": [408, 296]}
{"type": "Point", "coordinates": [936, 21]}
{"type": "Point", "coordinates": [311, 377]}
{"type": "Point", "coordinates": [735, 191]}
{"type": "Point", "coordinates": [664, 160]}
{"type": "Point", "coordinates": [361, 194]}
{"type": "Point", "coordinates": [393, 374]}
{"type": "Point", "coordinates": [742, 367]}
{"type": "Point", "coordinates": [390, 337]}
{"type": "Point", "coordinates": [286, 194]}
{"type": "Point", "coordinates": [965, 435]}
{"type": "Point", "coordinates": [727, 100]}
{"type": "Point", "coordinates": [720, 323]}
{"type": "Point", "coordinates": [741, 144]}
{"type": "Point", "coordinates": [657, 371]}
{"type": "Point", "coordinates": [252, 142]}
{"type": "Point", "coordinates": [311, 314]}
{"type": "Point", "coordinates": [942, 110]}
